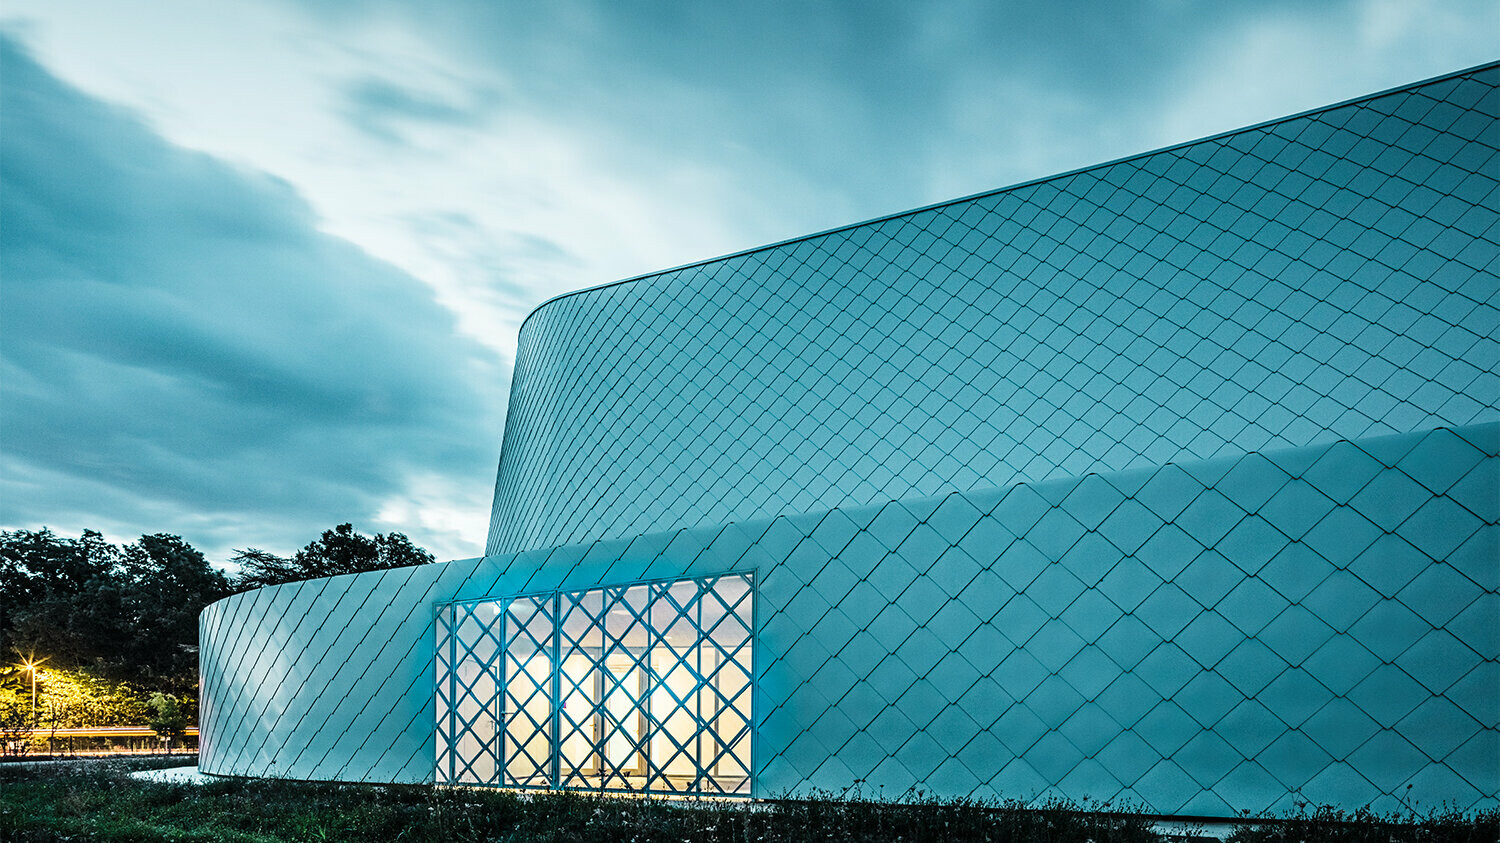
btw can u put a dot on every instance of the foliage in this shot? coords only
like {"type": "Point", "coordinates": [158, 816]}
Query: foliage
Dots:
{"type": "Point", "coordinates": [97, 801]}
{"type": "Point", "coordinates": [67, 699]}
{"type": "Point", "coordinates": [58, 596]}
{"type": "Point", "coordinates": [116, 623]}
{"type": "Point", "coordinates": [123, 613]}
{"type": "Point", "coordinates": [1363, 825]}
{"type": "Point", "coordinates": [167, 719]}
{"type": "Point", "coordinates": [168, 583]}
{"type": "Point", "coordinates": [338, 551]}
{"type": "Point", "coordinates": [15, 727]}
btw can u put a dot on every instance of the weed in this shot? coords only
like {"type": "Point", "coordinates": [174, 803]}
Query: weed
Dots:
{"type": "Point", "coordinates": [1327, 823]}
{"type": "Point", "coordinates": [100, 801]}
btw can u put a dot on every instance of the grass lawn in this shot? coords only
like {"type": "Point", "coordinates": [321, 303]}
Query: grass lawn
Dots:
{"type": "Point", "coordinates": [97, 800]}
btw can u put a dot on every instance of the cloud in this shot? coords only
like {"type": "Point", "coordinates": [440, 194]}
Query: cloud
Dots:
{"type": "Point", "coordinates": [181, 349]}
{"type": "Point", "coordinates": [804, 116]}
{"type": "Point", "coordinates": [384, 109]}
{"type": "Point", "coordinates": [500, 153]}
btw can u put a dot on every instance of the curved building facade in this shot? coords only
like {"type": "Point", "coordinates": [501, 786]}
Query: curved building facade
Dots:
{"type": "Point", "coordinates": [1170, 480]}
{"type": "Point", "coordinates": [1270, 288]}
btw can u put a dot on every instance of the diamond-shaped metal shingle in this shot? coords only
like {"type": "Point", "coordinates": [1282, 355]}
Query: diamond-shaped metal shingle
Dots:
{"type": "Point", "coordinates": [1438, 660]}
{"type": "Point", "coordinates": [1127, 641]}
{"type": "Point", "coordinates": [1439, 461]}
{"type": "Point", "coordinates": [1129, 526]}
{"type": "Point", "coordinates": [1438, 593]}
{"type": "Point", "coordinates": [1083, 487]}
{"type": "Point", "coordinates": [1168, 551]}
{"type": "Point", "coordinates": [1341, 599]}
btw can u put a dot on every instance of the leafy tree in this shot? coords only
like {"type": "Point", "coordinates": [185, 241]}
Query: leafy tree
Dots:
{"type": "Point", "coordinates": [69, 698]}
{"type": "Point", "coordinates": [166, 584]}
{"type": "Point", "coordinates": [337, 551]}
{"type": "Point", "coordinates": [115, 621]}
{"type": "Point", "coordinates": [261, 568]}
{"type": "Point", "coordinates": [15, 728]}
{"type": "Point", "coordinates": [59, 596]}
{"type": "Point", "coordinates": [35, 562]}
{"type": "Point", "coordinates": [168, 720]}
{"type": "Point", "coordinates": [128, 614]}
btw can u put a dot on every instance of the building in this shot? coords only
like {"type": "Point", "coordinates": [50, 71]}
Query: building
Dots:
{"type": "Point", "coordinates": [1171, 480]}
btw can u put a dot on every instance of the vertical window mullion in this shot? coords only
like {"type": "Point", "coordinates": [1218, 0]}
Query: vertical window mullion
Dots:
{"type": "Point", "coordinates": [598, 721]}
{"type": "Point", "coordinates": [500, 690]}
{"type": "Point", "coordinates": [698, 692]}
{"type": "Point", "coordinates": [453, 740]}
{"type": "Point", "coordinates": [750, 692]}
{"type": "Point", "coordinates": [444, 681]}
{"type": "Point", "coordinates": [556, 736]}
{"type": "Point", "coordinates": [642, 723]}
{"type": "Point", "coordinates": [654, 726]}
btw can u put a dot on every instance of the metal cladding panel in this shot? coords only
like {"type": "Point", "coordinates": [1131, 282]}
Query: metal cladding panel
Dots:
{"type": "Point", "coordinates": [1172, 480]}
{"type": "Point", "coordinates": [1314, 624]}
{"type": "Point", "coordinates": [1327, 276]}
{"type": "Point", "coordinates": [1207, 638]}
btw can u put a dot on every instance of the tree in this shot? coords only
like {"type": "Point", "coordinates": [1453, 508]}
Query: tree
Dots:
{"type": "Point", "coordinates": [59, 596]}
{"type": "Point", "coordinates": [260, 568]}
{"type": "Point", "coordinates": [127, 614]}
{"type": "Point", "coordinates": [167, 582]}
{"type": "Point", "coordinates": [168, 720]}
{"type": "Point", "coordinates": [15, 728]}
{"type": "Point", "coordinates": [337, 551]}
{"type": "Point", "coordinates": [73, 698]}
{"type": "Point", "coordinates": [110, 621]}
{"type": "Point", "coordinates": [39, 561]}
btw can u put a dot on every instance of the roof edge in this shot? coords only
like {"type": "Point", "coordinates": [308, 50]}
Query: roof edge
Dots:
{"type": "Point", "coordinates": [1016, 186]}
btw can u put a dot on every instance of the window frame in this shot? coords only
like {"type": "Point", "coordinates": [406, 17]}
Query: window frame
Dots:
{"type": "Point", "coordinates": [452, 653]}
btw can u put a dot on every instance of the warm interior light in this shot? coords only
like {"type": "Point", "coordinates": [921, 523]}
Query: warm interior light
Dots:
{"type": "Point", "coordinates": [640, 687]}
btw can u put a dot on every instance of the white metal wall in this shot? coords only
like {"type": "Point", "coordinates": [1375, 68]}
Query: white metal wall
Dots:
{"type": "Point", "coordinates": [1317, 623]}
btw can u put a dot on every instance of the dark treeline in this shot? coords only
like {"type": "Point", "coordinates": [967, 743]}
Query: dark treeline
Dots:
{"type": "Point", "coordinates": [125, 613]}
{"type": "Point", "coordinates": [129, 614]}
{"type": "Point", "coordinates": [338, 551]}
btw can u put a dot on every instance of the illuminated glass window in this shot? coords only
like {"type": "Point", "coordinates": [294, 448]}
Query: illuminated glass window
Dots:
{"type": "Point", "coordinates": [644, 687]}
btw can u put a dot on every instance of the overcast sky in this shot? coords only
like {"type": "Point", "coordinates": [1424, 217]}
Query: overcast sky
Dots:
{"type": "Point", "coordinates": [263, 263]}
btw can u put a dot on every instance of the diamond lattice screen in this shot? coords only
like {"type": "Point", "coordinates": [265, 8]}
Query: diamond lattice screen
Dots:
{"type": "Point", "coordinates": [639, 688]}
{"type": "Point", "coordinates": [1328, 276]}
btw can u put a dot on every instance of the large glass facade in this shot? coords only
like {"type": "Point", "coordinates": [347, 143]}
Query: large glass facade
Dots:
{"type": "Point", "coordinates": [643, 687]}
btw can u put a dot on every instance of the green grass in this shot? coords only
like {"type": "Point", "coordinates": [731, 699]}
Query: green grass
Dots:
{"type": "Point", "coordinates": [99, 801]}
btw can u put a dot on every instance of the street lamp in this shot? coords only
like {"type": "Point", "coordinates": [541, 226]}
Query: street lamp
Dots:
{"type": "Point", "coordinates": [31, 667]}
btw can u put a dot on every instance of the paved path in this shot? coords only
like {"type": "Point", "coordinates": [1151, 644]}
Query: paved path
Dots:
{"type": "Point", "coordinates": [172, 775]}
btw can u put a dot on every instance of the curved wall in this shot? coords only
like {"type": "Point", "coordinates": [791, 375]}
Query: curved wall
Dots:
{"type": "Point", "coordinates": [1173, 480]}
{"type": "Point", "coordinates": [1326, 276]}
{"type": "Point", "coordinates": [1312, 624]}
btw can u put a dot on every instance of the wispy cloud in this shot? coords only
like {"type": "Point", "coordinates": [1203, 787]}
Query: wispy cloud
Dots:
{"type": "Point", "coordinates": [179, 340]}
{"type": "Point", "coordinates": [307, 315]}
{"type": "Point", "coordinates": [384, 109]}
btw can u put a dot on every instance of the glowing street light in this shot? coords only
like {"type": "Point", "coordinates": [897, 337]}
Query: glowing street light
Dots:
{"type": "Point", "coordinates": [30, 666]}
